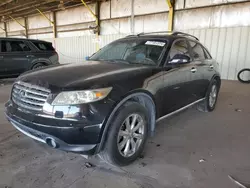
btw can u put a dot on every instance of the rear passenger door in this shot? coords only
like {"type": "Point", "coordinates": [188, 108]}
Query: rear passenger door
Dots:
{"type": "Point", "coordinates": [201, 78]}
{"type": "Point", "coordinates": [15, 56]}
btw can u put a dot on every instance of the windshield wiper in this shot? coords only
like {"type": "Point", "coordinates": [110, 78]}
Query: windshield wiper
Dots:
{"type": "Point", "coordinates": [119, 60]}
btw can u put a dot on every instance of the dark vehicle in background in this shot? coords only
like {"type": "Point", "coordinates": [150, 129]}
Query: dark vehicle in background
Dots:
{"type": "Point", "coordinates": [110, 104]}
{"type": "Point", "coordinates": [20, 55]}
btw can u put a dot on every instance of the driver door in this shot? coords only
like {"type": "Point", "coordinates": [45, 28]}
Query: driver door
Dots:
{"type": "Point", "coordinates": [177, 79]}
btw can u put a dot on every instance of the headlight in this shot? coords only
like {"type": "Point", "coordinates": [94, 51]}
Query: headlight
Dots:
{"type": "Point", "coordinates": [80, 97]}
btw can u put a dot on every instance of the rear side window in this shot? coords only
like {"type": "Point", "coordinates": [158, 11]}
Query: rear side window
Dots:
{"type": "Point", "coordinates": [14, 46]}
{"type": "Point", "coordinates": [44, 46]}
{"type": "Point", "coordinates": [208, 56]}
{"type": "Point", "coordinates": [198, 51]}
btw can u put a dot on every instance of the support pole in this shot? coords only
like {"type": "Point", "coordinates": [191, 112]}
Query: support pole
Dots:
{"type": "Point", "coordinates": [26, 27]}
{"type": "Point", "coordinates": [54, 25]}
{"type": "Point", "coordinates": [132, 26]}
{"type": "Point", "coordinates": [170, 14]}
{"type": "Point", "coordinates": [98, 17]}
{"type": "Point", "coordinates": [5, 28]}
{"type": "Point", "coordinates": [52, 22]}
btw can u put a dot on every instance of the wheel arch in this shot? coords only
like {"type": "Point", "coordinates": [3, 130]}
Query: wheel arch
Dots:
{"type": "Point", "coordinates": [217, 78]}
{"type": "Point", "coordinates": [141, 96]}
{"type": "Point", "coordinates": [214, 77]}
{"type": "Point", "coordinates": [39, 61]}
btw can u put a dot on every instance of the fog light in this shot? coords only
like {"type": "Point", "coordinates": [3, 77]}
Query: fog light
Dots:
{"type": "Point", "coordinates": [51, 142]}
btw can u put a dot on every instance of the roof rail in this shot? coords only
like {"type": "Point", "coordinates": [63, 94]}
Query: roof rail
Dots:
{"type": "Point", "coordinates": [130, 35]}
{"type": "Point", "coordinates": [160, 32]}
{"type": "Point", "coordinates": [185, 34]}
{"type": "Point", "coordinates": [165, 32]}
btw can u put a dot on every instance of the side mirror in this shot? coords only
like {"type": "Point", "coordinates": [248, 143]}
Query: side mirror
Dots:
{"type": "Point", "coordinates": [87, 58]}
{"type": "Point", "coordinates": [180, 59]}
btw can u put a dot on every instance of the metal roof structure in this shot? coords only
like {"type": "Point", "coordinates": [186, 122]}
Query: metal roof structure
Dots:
{"type": "Point", "coordinates": [24, 8]}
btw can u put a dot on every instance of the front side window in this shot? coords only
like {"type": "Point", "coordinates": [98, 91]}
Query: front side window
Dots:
{"type": "Point", "coordinates": [179, 47]}
{"type": "Point", "coordinates": [132, 52]}
{"type": "Point", "coordinates": [14, 46]}
{"type": "Point", "coordinates": [198, 51]}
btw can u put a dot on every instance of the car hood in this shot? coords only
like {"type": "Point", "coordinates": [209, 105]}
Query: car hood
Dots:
{"type": "Point", "coordinates": [86, 75]}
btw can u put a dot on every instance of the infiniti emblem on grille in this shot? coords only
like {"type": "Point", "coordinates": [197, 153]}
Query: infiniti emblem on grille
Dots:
{"type": "Point", "coordinates": [22, 93]}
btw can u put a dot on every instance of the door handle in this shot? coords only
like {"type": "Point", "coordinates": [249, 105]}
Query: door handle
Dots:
{"type": "Point", "coordinates": [211, 66]}
{"type": "Point", "coordinates": [1, 57]}
{"type": "Point", "coordinates": [30, 56]}
{"type": "Point", "coordinates": [193, 70]}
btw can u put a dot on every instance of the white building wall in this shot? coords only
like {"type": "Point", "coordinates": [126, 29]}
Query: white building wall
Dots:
{"type": "Point", "coordinates": [213, 17]}
{"type": "Point", "coordinates": [75, 15]}
{"type": "Point", "coordinates": [38, 21]}
{"type": "Point", "coordinates": [199, 3]}
{"type": "Point", "coordinates": [149, 6]}
{"type": "Point", "coordinates": [223, 29]}
{"type": "Point", "coordinates": [2, 33]}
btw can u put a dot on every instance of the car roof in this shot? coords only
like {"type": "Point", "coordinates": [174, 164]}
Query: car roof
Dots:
{"type": "Point", "coordinates": [163, 36]}
{"type": "Point", "coordinates": [159, 37]}
{"type": "Point", "coordinates": [18, 39]}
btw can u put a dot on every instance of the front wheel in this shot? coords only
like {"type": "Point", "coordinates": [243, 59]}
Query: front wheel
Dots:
{"type": "Point", "coordinates": [210, 100]}
{"type": "Point", "coordinates": [127, 135]}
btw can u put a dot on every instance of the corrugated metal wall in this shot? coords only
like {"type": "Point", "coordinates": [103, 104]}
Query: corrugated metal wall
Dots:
{"type": "Point", "coordinates": [75, 49]}
{"type": "Point", "coordinates": [229, 46]}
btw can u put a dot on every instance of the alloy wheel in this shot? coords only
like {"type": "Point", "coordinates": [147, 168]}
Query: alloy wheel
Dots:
{"type": "Point", "coordinates": [131, 135]}
{"type": "Point", "coordinates": [213, 96]}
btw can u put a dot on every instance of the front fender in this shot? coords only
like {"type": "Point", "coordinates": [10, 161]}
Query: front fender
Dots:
{"type": "Point", "coordinates": [149, 103]}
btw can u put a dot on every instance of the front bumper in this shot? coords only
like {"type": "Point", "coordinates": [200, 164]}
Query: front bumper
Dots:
{"type": "Point", "coordinates": [53, 141]}
{"type": "Point", "coordinates": [75, 139]}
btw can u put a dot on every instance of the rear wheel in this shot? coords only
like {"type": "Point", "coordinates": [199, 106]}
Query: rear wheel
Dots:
{"type": "Point", "coordinates": [38, 66]}
{"type": "Point", "coordinates": [210, 100]}
{"type": "Point", "coordinates": [127, 135]}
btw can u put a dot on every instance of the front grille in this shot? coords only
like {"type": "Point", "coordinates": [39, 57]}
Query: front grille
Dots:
{"type": "Point", "coordinates": [29, 96]}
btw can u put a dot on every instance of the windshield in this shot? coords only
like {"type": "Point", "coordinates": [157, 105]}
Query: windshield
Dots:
{"type": "Point", "coordinates": [132, 52]}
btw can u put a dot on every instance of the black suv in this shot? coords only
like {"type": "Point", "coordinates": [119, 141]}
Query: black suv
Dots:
{"type": "Point", "coordinates": [20, 55]}
{"type": "Point", "coordinates": [109, 104]}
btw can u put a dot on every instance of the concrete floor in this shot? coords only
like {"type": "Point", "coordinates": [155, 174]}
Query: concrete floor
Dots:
{"type": "Point", "coordinates": [191, 149]}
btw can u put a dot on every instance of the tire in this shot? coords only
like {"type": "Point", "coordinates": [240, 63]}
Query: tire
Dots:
{"type": "Point", "coordinates": [239, 78]}
{"type": "Point", "coordinates": [210, 100]}
{"type": "Point", "coordinates": [38, 66]}
{"type": "Point", "coordinates": [111, 152]}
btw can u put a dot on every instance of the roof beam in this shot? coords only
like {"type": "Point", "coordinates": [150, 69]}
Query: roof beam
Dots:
{"type": "Point", "coordinates": [5, 2]}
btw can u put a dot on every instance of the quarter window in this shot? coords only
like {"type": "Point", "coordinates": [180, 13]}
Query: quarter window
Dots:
{"type": "Point", "coordinates": [198, 51]}
{"type": "Point", "coordinates": [14, 46]}
{"type": "Point", "coordinates": [44, 46]}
